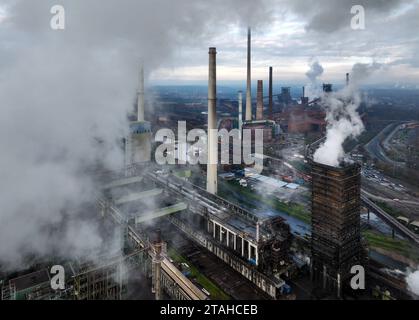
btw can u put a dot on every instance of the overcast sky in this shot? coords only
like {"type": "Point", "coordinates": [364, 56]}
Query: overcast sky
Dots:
{"type": "Point", "coordinates": [286, 35]}
{"type": "Point", "coordinates": [301, 32]}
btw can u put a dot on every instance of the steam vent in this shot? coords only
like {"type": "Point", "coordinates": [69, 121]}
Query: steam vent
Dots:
{"type": "Point", "coordinates": [336, 239]}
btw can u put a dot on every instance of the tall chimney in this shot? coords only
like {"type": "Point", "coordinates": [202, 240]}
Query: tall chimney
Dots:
{"type": "Point", "coordinates": [212, 122]}
{"type": "Point", "coordinates": [304, 99]}
{"type": "Point", "coordinates": [140, 95]}
{"type": "Point", "coordinates": [347, 79]}
{"type": "Point", "coordinates": [240, 112]}
{"type": "Point", "coordinates": [259, 105]}
{"type": "Point", "coordinates": [270, 95]}
{"type": "Point", "coordinates": [248, 87]}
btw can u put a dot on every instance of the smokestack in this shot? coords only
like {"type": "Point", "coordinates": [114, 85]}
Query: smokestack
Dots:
{"type": "Point", "coordinates": [212, 122]}
{"type": "Point", "coordinates": [140, 96]}
{"type": "Point", "coordinates": [240, 112]}
{"type": "Point", "coordinates": [304, 99]}
{"type": "Point", "coordinates": [347, 79]}
{"type": "Point", "coordinates": [248, 87]}
{"type": "Point", "coordinates": [259, 105]}
{"type": "Point", "coordinates": [270, 95]}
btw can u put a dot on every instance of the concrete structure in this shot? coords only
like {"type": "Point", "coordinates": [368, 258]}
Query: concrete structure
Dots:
{"type": "Point", "coordinates": [249, 79]}
{"type": "Point", "coordinates": [212, 124]}
{"type": "Point", "coordinates": [259, 104]}
{"type": "Point", "coordinates": [347, 79]}
{"type": "Point", "coordinates": [240, 112]}
{"type": "Point", "coordinates": [336, 234]}
{"type": "Point", "coordinates": [285, 96]}
{"type": "Point", "coordinates": [389, 220]}
{"type": "Point", "coordinates": [138, 143]}
{"type": "Point", "coordinates": [270, 110]}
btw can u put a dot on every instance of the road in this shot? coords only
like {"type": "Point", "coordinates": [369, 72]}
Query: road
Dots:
{"type": "Point", "coordinates": [390, 136]}
{"type": "Point", "coordinates": [374, 147]}
{"type": "Point", "coordinates": [394, 223]}
{"type": "Point", "coordinates": [408, 202]}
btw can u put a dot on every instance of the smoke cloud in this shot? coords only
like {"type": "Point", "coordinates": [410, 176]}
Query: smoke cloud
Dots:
{"type": "Point", "coordinates": [342, 117]}
{"type": "Point", "coordinates": [312, 89]}
{"type": "Point", "coordinates": [64, 98]}
{"type": "Point", "coordinates": [329, 16]}
{"type": "Point", "coordinates": [412, 281]}
{"type": "Point", "coordinates": [315, 71]}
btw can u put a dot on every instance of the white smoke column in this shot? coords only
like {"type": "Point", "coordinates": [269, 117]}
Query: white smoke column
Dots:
{"type": "Point", "coordinates": [412, 281]}
{"type": "Point", "coordinates": [343, 121]}
{"type": "Point", "coordinates": [342, 117]}
{"type": "Point", "coordinates": [312, 89]}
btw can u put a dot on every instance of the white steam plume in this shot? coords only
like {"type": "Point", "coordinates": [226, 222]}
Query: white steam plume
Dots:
{"type": "Point", "coordinates": [315, 71]}
{"type": "Point", "coordinates": [412, 280]}
{"type": "Point", "coordinates": [342, 117]}
{"type": "Point", "coordinates": [312, 88]}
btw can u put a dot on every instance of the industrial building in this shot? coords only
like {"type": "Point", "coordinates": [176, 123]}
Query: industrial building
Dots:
{"type": "Point", "coordinates": [239, 238]}
{"type": "Point", "coordinates": [103, 277]}
{"type": "Point", "coordinates": [138, 143]}
{"type": "Point", "coordinates": [336, 237]}
{"type": "Point", "coordinates": [302, 119]}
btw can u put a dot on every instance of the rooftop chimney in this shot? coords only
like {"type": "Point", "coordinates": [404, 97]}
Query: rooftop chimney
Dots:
{"type": "Point", "coordinates": [259, 105]}
{"type": "Point", "coordinates": [140, 96]}
{"type": "Point", "coordinates": [270, 95]}
{"type": "Point", "coordinates": [212, 123]}
{"type": "Point", "coordinates": [248, 87]}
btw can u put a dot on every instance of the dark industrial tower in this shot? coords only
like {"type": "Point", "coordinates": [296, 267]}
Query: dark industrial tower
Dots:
{"type": "Point", "coordinates": [336, 238]}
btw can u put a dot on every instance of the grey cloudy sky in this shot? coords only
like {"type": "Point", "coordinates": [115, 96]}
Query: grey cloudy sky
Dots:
{"type": "Point", "coordinates": [287, 34]}
{"type": "Point", "coordinates": [300, 31]}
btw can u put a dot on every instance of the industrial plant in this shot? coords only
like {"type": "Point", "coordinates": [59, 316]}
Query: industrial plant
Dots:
{"type": "Point", "coordinates": [290, 220]}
